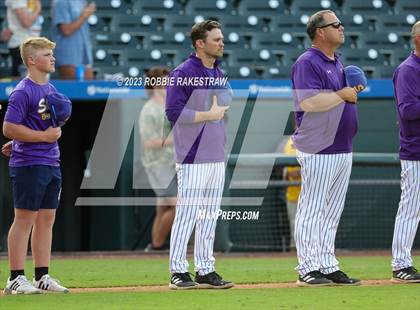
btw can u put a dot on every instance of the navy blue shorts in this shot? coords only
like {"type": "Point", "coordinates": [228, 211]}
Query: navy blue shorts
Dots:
{"type": "Point", "coordinates": [36, 187]}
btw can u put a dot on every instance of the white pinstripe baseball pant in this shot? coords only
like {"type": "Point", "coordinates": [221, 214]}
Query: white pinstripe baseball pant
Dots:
{"type": "Point", "coordinates": [200, 189]}
{"type": "Point", "coordinates": [408, 215]}
{"type": "Point", "coordinates": [325, 179]}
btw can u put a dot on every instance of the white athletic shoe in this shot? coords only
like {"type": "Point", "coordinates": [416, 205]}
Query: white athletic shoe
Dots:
{"type": "Point", "coordinates": [46, 283]}
{"type": "Point", "coordinates": [20, 285]}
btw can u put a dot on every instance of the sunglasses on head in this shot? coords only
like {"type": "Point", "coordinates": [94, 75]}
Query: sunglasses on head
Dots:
{"type": "Point", "coordinates": [335, 25]}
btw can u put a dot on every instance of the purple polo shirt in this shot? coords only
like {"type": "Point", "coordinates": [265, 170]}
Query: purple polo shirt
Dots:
{"type": "Point", "coordinates": [329, 132]}
{"type": "Point", "coordinates": [27, 107]}
{"type": "Point", "coordinates": [194, 142]}
{"type": "Point", "coordinates": [407, 93]}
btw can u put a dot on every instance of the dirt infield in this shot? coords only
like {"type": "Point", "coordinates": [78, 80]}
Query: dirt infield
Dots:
{"type": "Point", "coordinates": [161, 288]}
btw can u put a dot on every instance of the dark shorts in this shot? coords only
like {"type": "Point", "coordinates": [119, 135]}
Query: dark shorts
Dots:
{"type": "Point", "coordinates": [36, 187]}
{"type": "Point", "coordinates": [16, 60]}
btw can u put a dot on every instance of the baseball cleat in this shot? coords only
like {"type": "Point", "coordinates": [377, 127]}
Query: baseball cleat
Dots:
{"type": "Point", "coordinates": [406, 275]}
{"type": "Point", "coordinates": [182, 281]}
{"type": "Point", "coordinates": [20, 285]}
{"type": "Point", "coordinates": [340, 278]}
{"type": "Point", "coordinates": [313, 279]}
{"type": "Point", "coordinates": [212, 280]}
{"type": "Point", "coordinates": [46, 283]}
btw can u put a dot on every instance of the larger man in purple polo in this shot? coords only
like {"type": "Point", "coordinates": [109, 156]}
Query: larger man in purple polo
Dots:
{"type": "Point", "coordinates": [326, 118]}
{"type": "Point", "coordinates": [196, 113]}
{"type": "Point", "coordinates": [407, 93]}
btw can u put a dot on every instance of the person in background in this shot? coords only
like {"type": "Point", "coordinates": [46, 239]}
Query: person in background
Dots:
{"type": "Point", "coordinates": [70, 30]}
{"type": "Point", "coordinates": [158, 160]}
{"type": "Point", "coordinates": [24, 20]}
{"type": "Point", "coordinates": [291, 173]}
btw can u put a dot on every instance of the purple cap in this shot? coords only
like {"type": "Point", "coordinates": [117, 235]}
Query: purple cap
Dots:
{"type": "Point", "coordinates": [355, 77]}
{"type": "Point", "coordinates": [60, 108]}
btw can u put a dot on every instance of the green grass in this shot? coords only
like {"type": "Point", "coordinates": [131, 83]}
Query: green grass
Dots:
{"type": "Point", "coordinates": [132, 272]}
{"type": "Point", "coordinates": [404, 297]}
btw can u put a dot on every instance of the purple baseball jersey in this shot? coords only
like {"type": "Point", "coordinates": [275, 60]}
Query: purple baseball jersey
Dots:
{"type": "Point", "coordinates": [407, 93]}
{"type": "Point", "coordinates": [329, 132]}
{"type": "Point", "coordinates": [194, 142]}
{"type": "Point", "coordinates": [27, 107]}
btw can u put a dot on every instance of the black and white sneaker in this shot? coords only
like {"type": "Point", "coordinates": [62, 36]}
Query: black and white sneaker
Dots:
{"type": "Point", "coordinates": [340, 278]}
{"type": "Point", "coordinates": [313, 278]}
{"type": "Point", "coordinates": [406, 275]}
{"type": "Point", "coordinates": [182, 281]}
{"type": "Point", "coordinates": [20, 285]}
{"type": "Point", "coordinates": [212, 280]}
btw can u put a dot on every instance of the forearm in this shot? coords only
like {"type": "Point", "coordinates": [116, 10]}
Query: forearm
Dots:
{"type": "Point", "coordinates": [68, 29]}
{"type": "Point", "coordinates": [202, 117]}
{"type": "Point", "coordinates": [22, 133]}
{"type": "Point", "coordinates": [26, 18]}
{"type": "Point", "coordinates": [153, 144]}
{"type": "Point", "coordinates": [321, 102]}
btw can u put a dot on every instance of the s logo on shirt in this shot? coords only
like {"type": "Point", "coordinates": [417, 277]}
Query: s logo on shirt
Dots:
{"type": "Point", "coordinates": [42, 108]}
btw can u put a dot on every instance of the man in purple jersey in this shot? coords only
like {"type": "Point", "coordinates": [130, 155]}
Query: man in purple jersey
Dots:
{"type": "Point", "coordinates": [196, 114]}
{"type": "Point", "coordinates": [407, 94]}
{"type": "Point", "coordinates": [34, 170]}
{"type": "Point", "coordinates": [326, 118]}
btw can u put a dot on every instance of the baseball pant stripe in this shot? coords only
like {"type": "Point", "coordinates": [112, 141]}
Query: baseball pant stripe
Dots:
{"type": "Point", "coordinates": [321, 202]}
{"type": "Point", "coordinates": [408, 215]}
{"type": "Point", "coordinates": [332, 214]}
{"type": "Point", "coordinates": [200, 189]}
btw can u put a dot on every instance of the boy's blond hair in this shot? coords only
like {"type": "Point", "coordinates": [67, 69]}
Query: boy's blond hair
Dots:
{"type": "Point", "coordinates": [33, 44]}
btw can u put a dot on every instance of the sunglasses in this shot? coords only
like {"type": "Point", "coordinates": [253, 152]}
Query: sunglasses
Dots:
{"type": "Point", "coordinates": [335, 25]}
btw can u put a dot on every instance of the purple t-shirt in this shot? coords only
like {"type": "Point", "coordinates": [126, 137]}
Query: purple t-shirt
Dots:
{"type": "Point", "coordinates": [407, 93]}
{"type": "Point", "coordinates": [329, 132]}
{"type": "Point", "coordinates": [27, 107]}
{"type": "Point", "coordinates": [194, 142]}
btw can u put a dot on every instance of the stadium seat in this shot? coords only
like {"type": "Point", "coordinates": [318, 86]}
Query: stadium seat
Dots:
{"type": "Point", "coordinates": [175, 23]}
{"type": "Point", "coordinates": [112, 73]}
{"type": "Point", "coordinates": [243, 24]}
{"type": "Point", "coordinates": [209, 8]}
{"type": "Point", "coordinates": [366, 7]}
{"type": "Point", "coordinates": [180, 56]}
{"type": "Point", "coordinates": [380, 40]}
{"type": "Point", "coordinates": [112, 7]}
{"type": "Point", "coordinates": [145, 58]}
{"type": "Point", "coordinates": [384, 72]}
{"type": "Point", "coordinates": [250, 57]}
{"type": "Point", "coordinates": [240, 72]}
{"type": "Point", "coordinates": [234, 40]}
{"type": "Point", "coordinates": [285, 23]}
{"type": "Point", "coordinates": [301, 40]}
{"type": "Point", "coordinates": [394, 23]}
{"type": "Point", "coordinates": [134, 23]}
{"type": "Point", "coordinates": [408, 7]}
{"type": "Point", "coordinates": [266, 8]}
{"type": "Point", "coordinates": [399, 55]}
{"type": "Point", "coordinates": [270, 41]}
{"type": "Point", "coordinates": [100, 23]}
{"type": "Point", "coordinates": [115, 40]}
{"type": "Point", "coordinates": [157, 8]}
{"type": "Point", "coordinates": [309, 7]}
{"type": "Point", "coordinates": [362, 57]}
{"type": "Point", "coordinates": [166, 41]}
{"type": "Point", "coordinates": [356, 22]}
{"type": "Point", "coordinates": [103, 58]}
{"type": "Point", "coordinates": [288, 57]}
{"type": "Point", "coordinates": [277, 72]}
